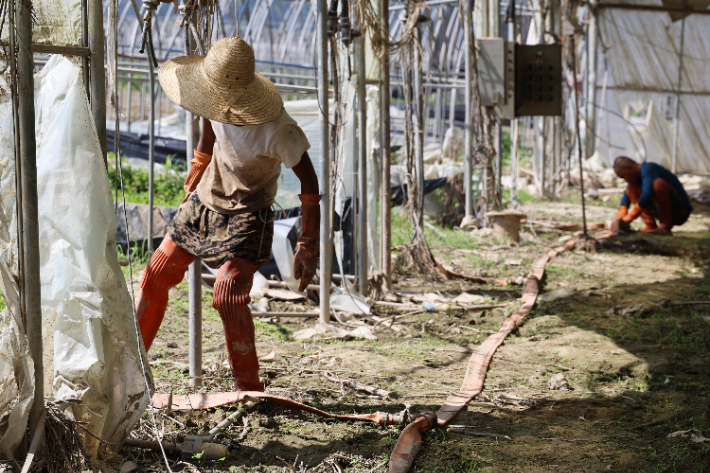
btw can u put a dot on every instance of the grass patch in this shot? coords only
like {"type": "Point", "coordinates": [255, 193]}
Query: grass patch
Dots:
{"type": "Point", "coordinates": [168, 182]}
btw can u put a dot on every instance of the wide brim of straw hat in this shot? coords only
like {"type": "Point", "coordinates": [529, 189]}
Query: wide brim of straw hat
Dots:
{"type": "Point", "coordinates": [185, 83]}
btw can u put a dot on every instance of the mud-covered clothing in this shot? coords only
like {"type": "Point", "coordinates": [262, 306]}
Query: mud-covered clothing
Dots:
{"type": "Point", "coordinates": [649, 173]}
{"type": "Point", "coordinates": [667, 206]}
{"type": "Point", "coordinates": [216, 237]}
{"type": "Point", "coordinates": [243, 174]}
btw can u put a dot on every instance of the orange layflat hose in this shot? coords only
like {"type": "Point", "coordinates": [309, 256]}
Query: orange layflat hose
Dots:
{"type": "Point", "coordinates": [410, 439]}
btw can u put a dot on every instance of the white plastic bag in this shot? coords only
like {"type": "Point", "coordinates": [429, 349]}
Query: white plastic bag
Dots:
{"type": "Point", "coordinates": [16, 366]}
{"type": "Point", "coordinates": [91, 350]}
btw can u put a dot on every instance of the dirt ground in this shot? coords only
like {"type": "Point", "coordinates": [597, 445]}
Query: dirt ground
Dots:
{"type": "Point", "coordinates": [615, 323]}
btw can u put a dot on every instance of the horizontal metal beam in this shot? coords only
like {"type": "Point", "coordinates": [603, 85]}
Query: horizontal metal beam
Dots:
{"type": "Point", "coordinates": [653, 8]}
{"type": "Point", "coordinates": [65, 50]}
{"type": "Point", "coordinates": [658, 90]}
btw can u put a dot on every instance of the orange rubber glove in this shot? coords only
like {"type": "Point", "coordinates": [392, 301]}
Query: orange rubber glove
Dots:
{"type": "Point", "coordinates": [623, 211]}
{"type": "Point", "coordinates": [633, 215]}
{"type": "Point", "coordinates": [199, 164]}
{"type": "Point", "coordinates": [305, 261]}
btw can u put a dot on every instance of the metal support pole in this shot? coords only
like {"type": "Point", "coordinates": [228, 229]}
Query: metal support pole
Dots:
{"type": "Point", "coordinates": [129, 105]}
{"type": "Point", "coordinates": [494, 18]}
{"type": "Point", "coordinates": [436, 133]}
{"type": "Point", "coordinates": [592, 46]}
{"type": "Point", "coordinates": [468, 126]}
{"type": "Point", "coordinates": [495, 31]}
{"type": "Point", "coordinates": [30, 281]}
{"type": "Point", "coordinates": [98, 73]}
{"type": "Point", "coordinates": [539, 159]}
{"type": "Point", "coordinates": [499, 165]}
{"type": "Point", "coordinates": [452, 111]}
{"type": "Point", "coordinates": [514, 162]}
{"type": "Point", "coordinates": [151, 132]}
{"type": "Point", "coordinates": [362, 165]}
{"type": "Point", "coordinates": [514, 125]}
{"type": "Point", "coordinates": [385, 186]}
{"type": "Point", "coordinates": [192, 133]}
{"type": "Point", "coordinates": [151, 151]}
{"type": "Point", "coordinates": [557, 160]}
{"type": "Point", "coordinates": [326, 247]}
{"type": "Point", "coordinates": [676, 128]}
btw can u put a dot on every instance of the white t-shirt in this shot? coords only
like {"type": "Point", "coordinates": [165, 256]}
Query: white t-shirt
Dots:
{"type": "Point", "coordinates": [246, 164]}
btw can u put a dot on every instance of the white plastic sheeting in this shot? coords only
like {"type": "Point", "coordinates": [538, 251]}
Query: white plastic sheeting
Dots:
{"type": "Point", "coordinates": [16, 367]}
{"type": "Point", "coordinates": [643, 62]}
{"type": "Point", "coordinates": [54, 22]}
{"type": "Point", "coordinates": [90, 346]}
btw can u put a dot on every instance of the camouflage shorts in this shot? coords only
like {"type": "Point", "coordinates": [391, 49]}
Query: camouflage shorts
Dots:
{"type": "Point", "coordinates": [216, 238]}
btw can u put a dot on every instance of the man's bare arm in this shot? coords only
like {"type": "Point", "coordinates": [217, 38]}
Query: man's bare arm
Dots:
{"type": "Point", "coordinates": [206, 144]}
{"type": "Point", "coordinates": [307, 175]}
{"type": "Point", "coordinates": [305, 261]}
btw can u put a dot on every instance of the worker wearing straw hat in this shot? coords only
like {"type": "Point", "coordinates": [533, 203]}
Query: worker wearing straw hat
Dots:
{"type": "Point", "coordinates": [226, 218]}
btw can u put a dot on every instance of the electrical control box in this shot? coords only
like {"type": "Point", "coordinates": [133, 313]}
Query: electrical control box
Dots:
{"type": "Point", "coordinates": [538, 80]}
{"type": "Point", "coordinates": [520, 80]}
{"type": "Point", "coordinates": [496, 75]}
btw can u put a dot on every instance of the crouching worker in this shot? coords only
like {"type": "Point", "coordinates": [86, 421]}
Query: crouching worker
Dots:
{"type": "Point", "coordinates": [657, 195]}
{"type": "Point", "coordinates": [226, 218]}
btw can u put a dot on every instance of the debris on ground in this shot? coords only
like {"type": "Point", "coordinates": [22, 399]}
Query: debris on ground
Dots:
{"type": "Point", "coordinates": [558, 383]}
{"type": "Point", "coordinates": [694, 435]}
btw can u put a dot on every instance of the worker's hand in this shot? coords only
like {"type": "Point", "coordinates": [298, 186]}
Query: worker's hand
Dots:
{"type": "Point", "coordinates": [305, 261]}
{"type": "Point", "coordinates": [633, 215]}
{"type": "Point", "coordinates": [623, 211]}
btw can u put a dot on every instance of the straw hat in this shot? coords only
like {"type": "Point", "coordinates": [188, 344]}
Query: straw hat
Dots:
{"type": "Point", "coordinates": [223, 85]}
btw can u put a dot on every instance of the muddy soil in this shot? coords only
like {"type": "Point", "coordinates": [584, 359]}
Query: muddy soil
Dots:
{"type": "Point", "coordinates": [622, 325]}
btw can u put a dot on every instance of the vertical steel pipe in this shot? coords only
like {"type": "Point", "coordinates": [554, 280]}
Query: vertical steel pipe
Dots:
{"type": "Point", "coordinates": [362, 165]}
{"type": "Point", "coordinates": [514, 161]}
{"type": "Point", "coordinates": [326, 247]}
{"type": "Point", "coordinates": [129, 105]}
{"type": "Point", "coordinates": [385, 187]}
{"type": "Point", "coordinates": [495, 30]}
{"type": "Point", "coordinates": [514, 125]}
{"type": "Point", "coordinates": [452, 109]}
{"type": "Point", "coordinates": [676, 127]}
{"type": "Point", "coordinates": [192, 134]}
{"type": "Point", "coordinates": [98, 72]}
{"type": "Point", "coordinates": [592, 46]}
{"type": "Point", "coordinates": [494, 19]}
{"type": "Point", "coordinates": [30, 209]}
{"type": "Point", "coordinates": [151, 151]}
{"type": "Point", "coordinates": [436, 132]}
{"type": "Point", "coordinates": [468, 126]}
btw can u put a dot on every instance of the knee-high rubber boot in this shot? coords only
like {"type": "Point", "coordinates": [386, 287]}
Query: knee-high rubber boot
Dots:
{"type": "Point", "coordinates": [165, 270]}
{"type": "Point", "coordinates": [231, 299]}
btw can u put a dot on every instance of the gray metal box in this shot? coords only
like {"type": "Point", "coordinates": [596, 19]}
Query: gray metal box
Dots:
{"type": "Point", "coordinates": [496, 75]}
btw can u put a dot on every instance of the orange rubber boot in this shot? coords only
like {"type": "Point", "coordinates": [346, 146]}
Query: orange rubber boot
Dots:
{"type": "Point", "coordinates": [165, 270]}
{"type": "Point", "coordinates": [231, 299]}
